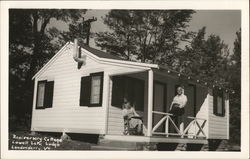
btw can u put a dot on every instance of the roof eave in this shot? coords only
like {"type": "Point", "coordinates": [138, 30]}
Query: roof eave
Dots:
{"type": "Point", "coordinates": [98, 58]}
{"type": "Point", "coordinates": [50, 61]}
{"type": "Point", "coordinates": [197, 80]}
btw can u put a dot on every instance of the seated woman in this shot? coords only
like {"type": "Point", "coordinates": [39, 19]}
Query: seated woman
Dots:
{"type": "Point", "coordinates": [131, 120]}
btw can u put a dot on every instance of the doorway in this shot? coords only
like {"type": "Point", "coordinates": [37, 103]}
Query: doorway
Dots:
{"type": "Point", "coordinates": [159, 103]}
{"type": "Point", "coordinates": [190, 108]}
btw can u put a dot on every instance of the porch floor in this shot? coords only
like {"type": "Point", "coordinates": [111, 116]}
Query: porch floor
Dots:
{"type": "Point", "coordinates": [155, 139]}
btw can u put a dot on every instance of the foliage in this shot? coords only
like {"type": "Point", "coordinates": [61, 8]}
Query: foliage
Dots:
{"type": "Point", "coordinates": [31, 44]}
{"type": "Point", "coordinates": [234, 77]}
{"type": "Point", "coordinates": [151, 36]}
{"type": "Point", "coordinates": [205, 59]}
{"type": "Point", "coordinates": [77, 29]}
{"type": "Point", "coordinates": [209, 60]}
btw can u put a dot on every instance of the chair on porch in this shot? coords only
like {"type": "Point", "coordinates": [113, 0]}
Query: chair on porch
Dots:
{"type": "Point", "coordinates": [128, 130]}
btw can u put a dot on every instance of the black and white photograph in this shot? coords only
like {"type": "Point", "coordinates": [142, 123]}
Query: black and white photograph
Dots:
{"type": "Point", "coordinates": [125, 79]}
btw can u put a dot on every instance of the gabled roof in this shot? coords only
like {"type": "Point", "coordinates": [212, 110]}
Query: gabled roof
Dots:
{"type": "Point", "coordinates": [101, 54]}
{"type": "Point", "coordinates": [98, 55]}
{"type": "Point", "coordinates": [108, 58]}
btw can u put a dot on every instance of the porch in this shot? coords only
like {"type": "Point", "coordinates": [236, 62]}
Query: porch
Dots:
{"type": "Point", "coordinates": [155, 139]}
{"type": "Point", "coordinates": [159, 143]}
{"type": "Point", "coordinates": [158, 125]}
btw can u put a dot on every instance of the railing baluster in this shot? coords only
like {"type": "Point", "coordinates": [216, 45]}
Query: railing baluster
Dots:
{"type": "Point", "coordinates": [166, 126]}
{"type": "Point", "coordinates": [200, 128]}
{"type": "Point", "coordinates": [188, 127]}
{"type": "Point", "coordinates": [195, 132]}
{"type": "Point", "coordinates": [176, 128]}
{"type": "Point", "coordinates": [168, 119]}
{"type": "Point", "coordinates": [195, 122]}
{"type": "Point", "coordinates": [159, 123]}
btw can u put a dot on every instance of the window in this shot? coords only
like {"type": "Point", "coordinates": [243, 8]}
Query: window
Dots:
{"type": "Point", "coordinates": [219, 104]}
{"type": "Point", "coordinates": [130, 88]}
{"type": "Point", "coordinates": [95, 89]}
{"type": "Point", "coordinates": [45, 91]}
{"type": "Point", "coordinates": [91, 90]}
{"type": "Point", "coordinates": [40, 94]}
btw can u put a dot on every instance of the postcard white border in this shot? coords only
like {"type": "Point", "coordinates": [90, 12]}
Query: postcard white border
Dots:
{"type": "Point", "coordinates": [242, 5]}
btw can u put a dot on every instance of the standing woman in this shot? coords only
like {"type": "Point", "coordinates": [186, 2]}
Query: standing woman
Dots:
{"type": "Point", "coordinates": [177, 106]}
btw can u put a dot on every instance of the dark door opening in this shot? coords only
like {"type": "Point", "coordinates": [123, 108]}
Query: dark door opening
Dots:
{"type": "Point", "coordinates": [159, 103]}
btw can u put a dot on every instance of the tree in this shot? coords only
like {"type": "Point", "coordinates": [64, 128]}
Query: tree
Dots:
{"type": "Point", "coordinates": [151, 36]}
{"type": "Point", "coordinates": [205, 58]}
{"type": "Point", "coordinates": [80, 30]}
{"type": "Point", "coordinates": [234, 76]}
{"type": "Point", "coordinates": [209, 59]}
{"type": "Point", "coordinates": [32, 43]}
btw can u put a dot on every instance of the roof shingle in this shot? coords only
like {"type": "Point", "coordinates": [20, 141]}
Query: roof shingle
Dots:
{"type": "Point", "coordinates": [101, 54]}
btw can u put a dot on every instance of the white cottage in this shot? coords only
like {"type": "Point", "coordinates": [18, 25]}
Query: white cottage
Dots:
{"type": "Point", "coordinates": [75, 97]}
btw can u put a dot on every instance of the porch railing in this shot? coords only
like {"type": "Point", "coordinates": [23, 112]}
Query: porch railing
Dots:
{"type": "Point", "coordinates": [169, 121]}
{"type": "Point", "coordinates": [195, 124]}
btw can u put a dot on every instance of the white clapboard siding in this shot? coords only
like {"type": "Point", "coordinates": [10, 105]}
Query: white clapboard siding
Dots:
{"type": "Point", "coordinates": [115, 121]}
{"type": "Point", "coordinates": [218, 126]}
{"type": "Point", "coordinates": [66, 114]}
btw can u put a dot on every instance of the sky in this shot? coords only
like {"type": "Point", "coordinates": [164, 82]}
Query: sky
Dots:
{"type": "Point", "coordinates": [224, 23]}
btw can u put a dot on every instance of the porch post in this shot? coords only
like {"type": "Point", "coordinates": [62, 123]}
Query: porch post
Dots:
{"type": "Point", "coordinates": [105, 99]}
{"type": "Point", "coordinates": [150, 101]}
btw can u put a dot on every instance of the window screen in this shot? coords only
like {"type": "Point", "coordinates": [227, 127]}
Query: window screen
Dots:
{"type": "Point", "coordinates": [45, 91]}
{"type": "Point", "coordinates": [40, 94]}
{"type": "Point", "coordinates": [219, 103]}
{"type": "Point", "coordinates": [91, 90]}
{"type": "Point", "coordinates": [95, 89]}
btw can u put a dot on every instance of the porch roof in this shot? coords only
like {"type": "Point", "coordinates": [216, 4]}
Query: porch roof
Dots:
{"type": "Point", "coordinates": [183, 76]}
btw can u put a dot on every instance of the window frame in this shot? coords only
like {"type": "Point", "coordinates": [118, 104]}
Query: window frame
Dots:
{"type": "Point", "coordinates": [99, 104]}
{"type": "Point", "coordinates": [37, 91]}
{"type": "Point", "coordinates": [88, 102]}
{"type": "Point", "coordinates": [45, 98]}
{"type": "Point", "coordinates": [218, 93]}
